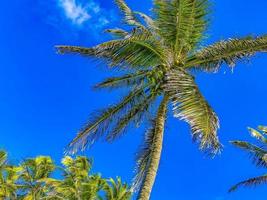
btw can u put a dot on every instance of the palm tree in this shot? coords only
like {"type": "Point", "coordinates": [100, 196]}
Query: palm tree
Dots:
{"type": "Point", "coordinates": [156, 56]}
{"type": "Point", "coordinates": [116, 190]}
{"type": "Point", "coordinates": [32, 180]}
{"type": "Point", "coordinates": [258, 155]}
{"type": "Point", "coordinates": [32, 175]}
{"type": "Point", "coordinates": [79, 184]}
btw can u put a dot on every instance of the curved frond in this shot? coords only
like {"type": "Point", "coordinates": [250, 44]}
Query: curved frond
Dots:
{"type": "Point", "coordinates": [143, 157]}
{"type": "Point", "coordinates": [123, 81]}
{"type": "Point", "coordinates": [181, 23]}
{"type": "Point", "coordinates": [256, 134]}
{"type": "Point", "coordinates": [190, 105]}
{"type": "Point", "coordinates": [120, 33]}
{"type": "Point", "coordinates": [263, 129]}
{"type": "Point", "coordinates": [116, 189]}
{"type": "Point", "coordinates": [133, 117]}
{"type": "Point", "coordinates": [148, 20]}
{"type": "Point", "coordinates": [258, 155]}
{"type": "Point", "coordinates": [104, 121]}
{"type": "Point", "coordinates": [129, 16]}
{"type": "Point", "coordinates": [250, 183]}
{"type": "Point", "coordinates": [226, 52]}
{"type": "Point", "coordinates": [139, 49]}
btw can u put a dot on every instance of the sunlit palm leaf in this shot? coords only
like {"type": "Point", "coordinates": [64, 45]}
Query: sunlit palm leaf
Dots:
{"type": "Point", "coordinates": [129, 16]}
{"type": "Point", "coordinates": [256, 134]}
{"type": "Point", "coordinates": [181, 23]}
{"type": "Point", "coordinates": [190, 105]}
{"type": "Point", "coordinates": [120, 33]}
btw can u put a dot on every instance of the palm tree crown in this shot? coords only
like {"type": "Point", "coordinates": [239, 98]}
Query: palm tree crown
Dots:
{"type": "Point", "coordinates": [157, 55]}
{"type": "Point", "coordinates": [258, 154]}
{"type": "Point", "coordinates": [33, 180]}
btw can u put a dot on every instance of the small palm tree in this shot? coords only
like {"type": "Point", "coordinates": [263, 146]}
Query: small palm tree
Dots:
{"type": "Point", "coordinates": [79, 184]}
{"type": "Point", "coordinates": [32, 174]}
{"type": "Point", "coordinates": [157, 55]}
{"type": "Point", "coordinates": [116, 190]}
{"type": "Point", "coordinates": [258, 154]}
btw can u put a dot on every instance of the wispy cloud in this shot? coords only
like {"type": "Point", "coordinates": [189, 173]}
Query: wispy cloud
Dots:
{"type": "Point", "coordinates": [74, 12]}
{"type": "Point", "coordinates": [78, 18]}
{"type": "Point", "coordinates": [80, 14]}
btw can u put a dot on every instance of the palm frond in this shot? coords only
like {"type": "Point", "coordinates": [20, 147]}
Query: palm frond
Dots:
{"type": "Point", "coordinates": [120, 33]}
{"type": "Point", "coordinates": [129, 16]}
{"type": "Point", "coordinates": [139, 49]}
{"type": "Point", "coordinates": [258, 155]}
{"type": "Point", "coordinates": [263, 129]}
{"type": "Point", "coordinates": [150, 24]}
{"type": "Point", "coordinates": [250, 183]}
{"type": "Point", "coordinates": [116, 189]}
{"type": "Point", "coordinates": [103, 121]}
{"type": "Point", "coordinates": [123, 81]}
{"type": "Point", "coordinates": [181, 23]}
{"type": "Point", "coordinates": [190, 105]}
{"type": "Point", "coordinates": [227, 52]}
{"type": "Point", "coordinates": [256, 134]}
{"type": "Point", "coordinates": [133, 117]}
{"type": "Point", "coordinates": [143, 157]}
{"type": "Point", "coordinates": [149, 154]}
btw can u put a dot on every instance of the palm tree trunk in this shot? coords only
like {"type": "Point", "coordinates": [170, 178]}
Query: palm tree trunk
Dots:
{"type": "Point", "coordinates": [156, 151]}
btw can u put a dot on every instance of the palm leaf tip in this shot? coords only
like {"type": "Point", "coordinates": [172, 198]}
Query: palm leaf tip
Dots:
{"type": "Point", "coordinates": [63, 49]}
{"type": "Point", "coordinates": [252, 182]}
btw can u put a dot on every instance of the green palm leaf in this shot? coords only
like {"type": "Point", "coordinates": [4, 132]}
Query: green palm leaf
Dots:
{"type": "Point", "coordinates": [258, 155]}
{"type": "Point", "coordinates": [229, 52]}
{"type": "Point", "coordinates": [250, 183]}
{"type": "Point", "coordinates": [137, 50]}
{"type": "Point", "coordinates": [181, 23]}
{"type": "Point", "coordinates": [129, 16]}
{"type": "Point", "coordinates": [105, 120]}
{"type": "Point", "coordinates": [190, 105]}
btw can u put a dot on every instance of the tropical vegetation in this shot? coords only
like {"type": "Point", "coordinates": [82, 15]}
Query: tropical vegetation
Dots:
{"type": "Point", "coordinates": [157, 57]}
{"type": "Point", "coordinates": [258, 155]}
{"type": "Point", "coordinates": [35, 179]}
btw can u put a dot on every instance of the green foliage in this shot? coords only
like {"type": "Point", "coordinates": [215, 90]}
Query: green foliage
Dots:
{"type": "Point", "coordinates": [33, 179]}
{"type": "Point", "coordinates": [258, 154]}
{"type": "Point", "coordinates": [156, 56]}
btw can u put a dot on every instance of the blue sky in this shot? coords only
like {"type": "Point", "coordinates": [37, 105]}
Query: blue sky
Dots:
{"type": "Point", "coordinates": [46, 97]}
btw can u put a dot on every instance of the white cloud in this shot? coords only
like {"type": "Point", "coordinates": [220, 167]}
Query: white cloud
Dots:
{"type": "Point", "coordinates": [89, 12]}
{"type": "Point", "coordinates": [75, 12]}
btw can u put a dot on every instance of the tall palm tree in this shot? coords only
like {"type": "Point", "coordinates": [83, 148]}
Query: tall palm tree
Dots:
{"type": "Point", "coordinates": [156, 56]}
{"type": "Point", "coordinates": [258, 154]}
